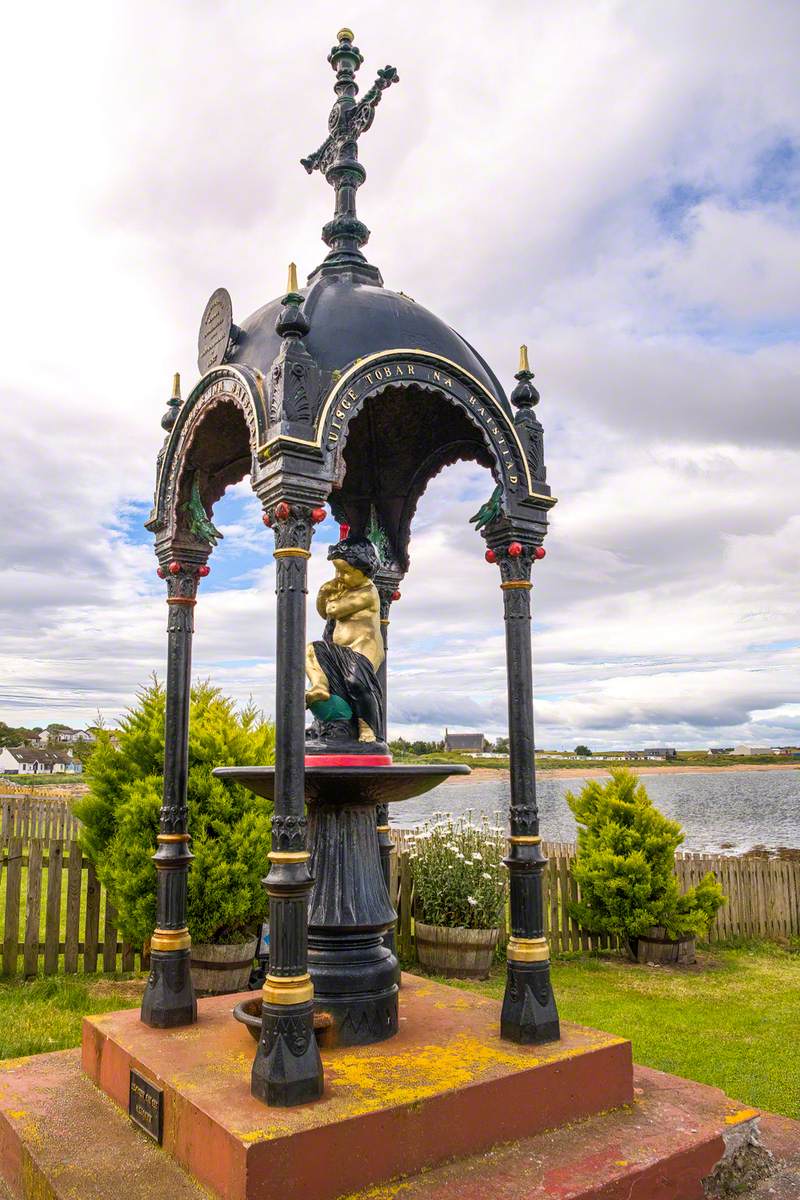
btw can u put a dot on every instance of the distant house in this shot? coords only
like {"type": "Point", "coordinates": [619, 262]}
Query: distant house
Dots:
{"type": "Point", "coordinates": [464, 743]}
{"type": "Point", "coordinates": [716, 751]}
{"type": "Point", "coordinates": [659, 752]}
{"type": "Point", "coordinates": [64, 737]}
{"type": "Point", "coordinates": [32, 760]}
{"type": "Point", "coordinates": [750, 750]}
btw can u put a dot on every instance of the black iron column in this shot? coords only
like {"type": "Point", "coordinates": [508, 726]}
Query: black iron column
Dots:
{"type": "Point", "coordinates": [529, 1009]}
{"type": "Point", "coordinates": [169, 996]}
{"type": "Point", "coordinates": [386, 584]}
{"type": "Point", "coordinates": [287, 1069]}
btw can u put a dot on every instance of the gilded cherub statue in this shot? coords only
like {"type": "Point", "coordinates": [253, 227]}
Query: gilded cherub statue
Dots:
{"type": "Point", "coordinates": [345, 695]}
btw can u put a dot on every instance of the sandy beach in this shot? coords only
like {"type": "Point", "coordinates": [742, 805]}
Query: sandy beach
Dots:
{"type": "Point", "coordinates": [481, 774]}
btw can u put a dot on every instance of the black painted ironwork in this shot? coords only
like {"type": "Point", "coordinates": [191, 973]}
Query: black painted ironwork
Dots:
{"type": "Point", "coordinates": [169, 998]}
{"type": "Point", "coordinates": [337, 159]}
{"type": "Point", "coordinates": [287, 1069]}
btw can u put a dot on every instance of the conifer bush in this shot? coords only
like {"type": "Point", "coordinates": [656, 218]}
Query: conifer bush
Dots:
{"type": "Point", "coordinates": [625, 865]}
{"type": "Point", "coordinates": [229, 826]}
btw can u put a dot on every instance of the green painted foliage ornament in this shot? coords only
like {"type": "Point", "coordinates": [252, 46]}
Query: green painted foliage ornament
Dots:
{"type": "Point", "coordinates": [489, 511]}
{"type": "Point", "coordinates": [199, 522]}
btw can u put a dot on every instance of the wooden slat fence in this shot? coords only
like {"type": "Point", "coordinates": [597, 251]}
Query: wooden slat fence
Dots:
{"type": "Point", "coordinates": [37, 816]}
{"type": "Point", "coordinates": [54, 924]}
{"type": "Point", "coordinates": [763, 897]}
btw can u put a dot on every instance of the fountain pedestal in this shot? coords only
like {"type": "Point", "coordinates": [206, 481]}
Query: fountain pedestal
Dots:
{"type": "Point", "coordinates": [354, 973]}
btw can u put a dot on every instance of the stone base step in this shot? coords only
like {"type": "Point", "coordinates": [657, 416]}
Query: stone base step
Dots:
{"type": "Point", "coordinates": [61, 1138]}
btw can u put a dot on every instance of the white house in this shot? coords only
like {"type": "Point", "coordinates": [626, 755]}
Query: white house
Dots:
{"type": "Point", "coordinates": [31, 760]}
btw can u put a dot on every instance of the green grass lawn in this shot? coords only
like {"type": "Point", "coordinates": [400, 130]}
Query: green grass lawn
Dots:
{"type": "Point", "coordinates": [46, 1014]}
{"type": "Point", "coordinates": [731, 1021]}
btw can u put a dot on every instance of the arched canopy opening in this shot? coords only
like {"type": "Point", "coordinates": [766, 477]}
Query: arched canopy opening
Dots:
{"type": "Point", "coordinates": [398, 441]}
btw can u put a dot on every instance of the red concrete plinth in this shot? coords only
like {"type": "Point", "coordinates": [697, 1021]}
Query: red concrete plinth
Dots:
{"type": "Point", "coordinates": [446, 1086]}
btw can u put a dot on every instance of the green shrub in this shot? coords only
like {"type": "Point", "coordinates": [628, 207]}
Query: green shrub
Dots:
{"type": "Point", "coordinates": [457, 872]}
{"type": "Point", "coordinates": [625, 865]}
{"type": "Point", "coordinates": [230, 827]}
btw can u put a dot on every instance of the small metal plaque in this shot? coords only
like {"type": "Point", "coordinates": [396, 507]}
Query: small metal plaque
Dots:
{"type": "Point", "coordinates": [215, 331]}
{"type": "Point", "coordinates": [146, 1106]}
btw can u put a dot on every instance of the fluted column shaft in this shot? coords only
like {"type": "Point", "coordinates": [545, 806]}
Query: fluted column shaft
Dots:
{"type": "Point", "coordinates": [287, 1069]}
{"type": "Point", "coordinates": [169, 996]}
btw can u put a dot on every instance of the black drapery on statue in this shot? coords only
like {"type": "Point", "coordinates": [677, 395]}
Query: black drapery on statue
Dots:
{"type": "Point", "coordinates": [352, 677]}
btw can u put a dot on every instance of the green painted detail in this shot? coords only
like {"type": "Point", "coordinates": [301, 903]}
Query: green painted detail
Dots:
{"type": "Point", "coordinates": [377, 535]}
{"type": "Point", "coordinates": [489, 511]}
{"type": "Point", "coordinates": [332, 709]}
{"type": "Point", "coordinates": [199, 522]}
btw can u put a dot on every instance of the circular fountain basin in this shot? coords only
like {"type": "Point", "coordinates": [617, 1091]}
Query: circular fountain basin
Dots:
{"type": "Point", "coordinates": [352, 785]}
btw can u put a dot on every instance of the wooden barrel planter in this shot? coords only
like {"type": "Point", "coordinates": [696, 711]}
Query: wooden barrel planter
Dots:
{"type": "Point", "coordinates": [458, 953]}
{"type": "Point", "coordinates": [655, 947]}
{"type": "Point", "coordinates": [220, 969]}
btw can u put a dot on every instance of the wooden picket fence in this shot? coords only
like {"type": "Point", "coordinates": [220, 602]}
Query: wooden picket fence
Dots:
{"type": "Point", "coordinates": [763, 897]}
{"type": "Point", "coordinates": [57, 917]}
{"type": "Point", "coordinates": [38, 815]}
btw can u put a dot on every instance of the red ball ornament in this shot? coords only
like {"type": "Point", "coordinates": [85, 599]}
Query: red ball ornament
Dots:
{"type": "Point", "coordinates": [203, 571]}
{"type": "Point", "coordinates": [174, 568]}
{"type": "Point", "coordinates": [395, 595]}
{"type": "Point", "coordinates": [515, 549]}
{"type": "Point", "coordinates": [539, 552]}
{"type": "Point", "coordinates": [490, 556]}
{"type": "Point", "coordinates": [282, 510]}
{"type": "Point", "coordinates": [267, 519]}
{"type": "Point", "coordinates": [317, 515]}
{"type": "Point", "coordinates": [161, 573]}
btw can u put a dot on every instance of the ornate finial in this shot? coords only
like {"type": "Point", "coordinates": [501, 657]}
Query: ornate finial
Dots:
{"type": "Point", "coordinates": [173, 404]}
{"type": "Point", "coordinates": [292, 321]}
{"type": "Point", "coordinates": [524, 395]}
{"type": "Point", "coordinates": [337, 157]}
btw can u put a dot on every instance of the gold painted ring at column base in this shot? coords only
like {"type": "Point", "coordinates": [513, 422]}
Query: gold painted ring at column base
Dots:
{"type": "Point", "coordinates": [524, 840]}
{"type": "Point", "coordinates": [292, 552]}
{"type": "Point", "coordinates": [288, 989]}
{"type": "Point", "coordinates": [382, 828]}
{"type": "Point", "coordinates": [170, 939]}
{"type": "Point", "coordinates": [515, 583]}
{"type": "Point", "coordinates": [527, 949]}
{"type": "Point", "coordinates": [288, 856]}
{"type": "Point", "coordinates": [385, 621]}
{"type": "Point", "coordinates": [181, 600]}
{"type": "Point", "coordinates": [174, 837]}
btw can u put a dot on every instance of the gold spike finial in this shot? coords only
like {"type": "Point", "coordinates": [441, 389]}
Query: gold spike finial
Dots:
{"type": "Point", "coordinates": [523, 358]}
{"type": "Point", "coordinates": [345, 35]}
{"type": "Point", "coordinates": [176, 386]}
{"type": "Point", "coordinates": [291, 286]}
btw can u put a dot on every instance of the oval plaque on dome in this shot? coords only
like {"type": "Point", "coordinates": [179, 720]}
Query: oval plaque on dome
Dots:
{"type": "Point", "coordinates": [215, 331]}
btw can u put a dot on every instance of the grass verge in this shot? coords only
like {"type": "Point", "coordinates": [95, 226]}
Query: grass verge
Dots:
{"type": "Point", "coordinates": [47, 1014]}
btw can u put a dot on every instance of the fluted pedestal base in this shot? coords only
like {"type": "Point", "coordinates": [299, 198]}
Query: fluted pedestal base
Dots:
{"type": "Point", "coordinates": [529, 1011]}
{"type": "Point", "coordinates": [354, 972]}
{"type": "Point", "coordinates": [169, 998]}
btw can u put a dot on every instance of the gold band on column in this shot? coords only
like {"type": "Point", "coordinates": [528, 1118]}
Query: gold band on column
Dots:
{"type": "Point", "coordinates": [173, 837]}
{"type": "Point", "coordinates": [181, 600]}
{"type": "Point", "coordinates": [382, 828]}
{"type": "Point", "coordinates": [288, 989]}
{"type": "Point", "coordinates": [515, 583]}
{"type": "Point", "coordinates": [292, 552]}
{"type": "Point", "coordinates": [527, 949]}
{"type": "Point", "coordinates": [288, 856]}
{"type": "Point", "coordinates": [524, 840]}
{"type": "Point", "coordinates": [170, 939]}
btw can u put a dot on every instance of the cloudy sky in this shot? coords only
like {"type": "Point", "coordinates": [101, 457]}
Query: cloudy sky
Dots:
{"type": "Point", "coordinates": [616, 184]}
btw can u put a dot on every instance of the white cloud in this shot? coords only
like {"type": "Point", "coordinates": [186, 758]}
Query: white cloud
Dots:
{"type": "Point", "coordinates": [594, 185]}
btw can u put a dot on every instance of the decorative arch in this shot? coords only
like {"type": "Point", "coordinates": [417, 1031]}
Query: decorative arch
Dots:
{"type": "Point", "coordinates": [214, 441]}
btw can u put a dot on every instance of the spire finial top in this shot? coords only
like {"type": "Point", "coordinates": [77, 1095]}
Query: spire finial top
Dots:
{"type": "Point", "coordinates": [525, 394]}
{"type": "Point", "coordinates": [291, 284]}
{"type": "Point", "coordinates": [173, 404]}
{"type": "Point", "coordinates": [337, 157]}
{"type": "Point", "coordinates": [523, 358]}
